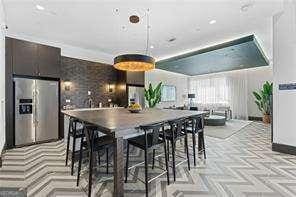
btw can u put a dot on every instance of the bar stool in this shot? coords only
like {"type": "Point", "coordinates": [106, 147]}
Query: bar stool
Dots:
{"type": "Point", "coordinates": [173, 134]}
{"type": "Point", "coordinates": [75, 131]}
{"type": "Point", "coordinates": [196, 127]}
{"type": "Point", "coordinates": [151, 140]}
{"type": "Point", "coordinates": [93, 143]}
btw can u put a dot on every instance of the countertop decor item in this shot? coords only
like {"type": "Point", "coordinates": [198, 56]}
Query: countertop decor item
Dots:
{"type": "Point", "coordinates": [153, 96]}
{"type": "Point", "coordinates": [135, 108]}
{"type": "Point", "coordinates": [263, 101]}
{"type": "Point", "coordinates": [191, 97]}
{"type": "Point", "coordinates": [136, 62]}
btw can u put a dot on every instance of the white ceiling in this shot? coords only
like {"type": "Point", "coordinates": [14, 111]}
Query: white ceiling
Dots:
{"type": "Point", "coordinates": [95, 26]}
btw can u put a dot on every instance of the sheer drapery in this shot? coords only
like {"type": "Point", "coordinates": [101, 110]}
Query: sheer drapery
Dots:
{"type": "Point", "coordinates": [212, 91]}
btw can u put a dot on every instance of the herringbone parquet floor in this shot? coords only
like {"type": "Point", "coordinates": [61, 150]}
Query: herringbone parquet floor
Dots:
{"type": "Point", "coordinates": [242, 165]}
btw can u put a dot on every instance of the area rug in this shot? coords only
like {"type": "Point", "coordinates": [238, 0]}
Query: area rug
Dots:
{"type": "Point", "coordinates": [230, 128]}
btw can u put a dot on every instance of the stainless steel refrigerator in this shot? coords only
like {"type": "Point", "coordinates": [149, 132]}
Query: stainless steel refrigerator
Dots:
{"type": "Point", "coordinates": [136, 95]}
{"type": "Point", "coordinates": [36, 110]}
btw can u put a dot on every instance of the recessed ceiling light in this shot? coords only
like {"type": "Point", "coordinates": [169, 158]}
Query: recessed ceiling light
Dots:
{"type": "Point", "coordinates": [152, 47]}
{"type": "Point", "coordinates": [212, 22]}
{"type": "Point", "coordinates": [39, 7]}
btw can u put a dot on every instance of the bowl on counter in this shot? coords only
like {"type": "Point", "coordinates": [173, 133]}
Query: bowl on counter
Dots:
{"type": "Point", "coordinates": [134, 108]}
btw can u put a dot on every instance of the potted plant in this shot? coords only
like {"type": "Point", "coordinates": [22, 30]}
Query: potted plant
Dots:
{"type": "Point", "coordinates": [153, 95]}
{"type": "Point", "coordinates": [263, 98]}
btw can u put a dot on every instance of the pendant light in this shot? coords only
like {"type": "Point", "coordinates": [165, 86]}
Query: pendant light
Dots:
{"type": "Point", "coordinates": [136, 62]}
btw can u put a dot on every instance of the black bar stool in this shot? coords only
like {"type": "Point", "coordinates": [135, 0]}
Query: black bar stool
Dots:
{"type": "Point", "coordinates": [75, 131]}
{"type": "Point", "coordinates": [173, 134]}
{"type": "Point", "coordinates": [93, 143]}
{"type": "Point", "coordinates": [151, 140]}
{"type": "Point", "coordinates": [196, 127]}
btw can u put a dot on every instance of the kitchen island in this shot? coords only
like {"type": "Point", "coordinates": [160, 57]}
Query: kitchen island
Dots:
{"type": "Point", "coordinates": [119, 122]}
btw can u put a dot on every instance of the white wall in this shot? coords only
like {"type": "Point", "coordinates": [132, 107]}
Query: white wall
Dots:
{"type": "Point", "coordinates": [256, 78]}
{"type": "Point", "coordinates": [2, 77]}
{"type": "Point", "coordinates": [284, 71]}
{"type": "Point", "coordinates": [168, 78]}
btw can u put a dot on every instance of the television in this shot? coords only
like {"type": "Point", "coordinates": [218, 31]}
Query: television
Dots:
{"type": "Point", "coordinates": [168, 93]}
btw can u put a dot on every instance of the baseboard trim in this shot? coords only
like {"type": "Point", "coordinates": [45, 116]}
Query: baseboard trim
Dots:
{"type": "Point", "coordinates": [255, 118]}
{"type": "Point", "coordinates": [282, 148]}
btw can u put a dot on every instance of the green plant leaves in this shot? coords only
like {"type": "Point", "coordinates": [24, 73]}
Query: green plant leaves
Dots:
{"type": "Point", "coordinates": [257, 96]}
{"type": "Point", "coordinates": [153, 96]}
{"type": "Point", "coordinates": [263, 98]}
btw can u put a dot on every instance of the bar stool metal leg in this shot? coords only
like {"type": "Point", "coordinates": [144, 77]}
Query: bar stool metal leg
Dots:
{"type": "Point", "coordinates": [166, 161]}
{"type": "Point", "coordinates": [99, 158]}
{"type": "Point", "coordinates": [73, 152]}
{"type": "Point", "coordinates": [126, 164]}
{"type": "Point", "coordinates": [80, 161]}
{"type": "Point", "coordinates": [194, 146]}
{"type": "Point", "coordinates": [68, 143]}
{"type": "Point", "coordinates": [168, 146]}
{"type": "Point", "coordinates": [174, 162]}
{"type": "Point", "coordinates": [203, 145]}
{"type": "Point", "coordinates": [90, 170]}
{"type": "Point", "coordinates": [153, 158]}
{"type": "Point", "coordinates": [187, 151]}
{"type": "Point", "coordinates": [146, 173]}
{"type": "Point", "coordinates": [107, 160]}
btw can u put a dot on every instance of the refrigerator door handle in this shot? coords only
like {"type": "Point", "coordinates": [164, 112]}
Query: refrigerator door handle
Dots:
{"type": "Point", "coordinates": [36, 110]}
{"type": "Point", "coordinates": [34, 113]}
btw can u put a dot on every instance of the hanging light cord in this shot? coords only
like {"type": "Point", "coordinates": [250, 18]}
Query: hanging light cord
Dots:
{"type": "Point", "coordinates": [148, 27]}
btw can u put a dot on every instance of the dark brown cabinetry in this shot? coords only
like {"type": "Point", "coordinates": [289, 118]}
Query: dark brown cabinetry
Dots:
{"type": "Point", "coordinates": [24, 58]}
{"type": "Point", "coordinates": [32, 59]}
{"type": "Point", "coordinates": [48, 61]}
{"type": "Point", "coordinates": [135, 78]}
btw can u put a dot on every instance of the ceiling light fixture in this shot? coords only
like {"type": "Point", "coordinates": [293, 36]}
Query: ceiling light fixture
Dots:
{"type": "Point", "coordinates": [39, 7]}
{"type": "Point", "coordinates": [136, 62]}
{"type": "Point", "coordinates": [151, 47]}
{"type": "Point", "coordinates": [212, 22]}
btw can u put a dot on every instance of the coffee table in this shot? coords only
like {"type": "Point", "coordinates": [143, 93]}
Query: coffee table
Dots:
{"type": "Point", "coordinates": [214, 120]}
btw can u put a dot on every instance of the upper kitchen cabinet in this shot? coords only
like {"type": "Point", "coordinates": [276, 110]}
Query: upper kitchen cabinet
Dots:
{"type": "Point", "coordinates": [48, 59]}
{"type": "Point", "coordinates": [135, 78]}
{"type": "Point", "coordinates": [32, 59]}
{"type": "Point", "coordinates": [24, 57]}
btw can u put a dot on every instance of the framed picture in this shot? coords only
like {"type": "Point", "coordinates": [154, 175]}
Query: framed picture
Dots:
{"type": "Point", "coordinates": [168, 93]}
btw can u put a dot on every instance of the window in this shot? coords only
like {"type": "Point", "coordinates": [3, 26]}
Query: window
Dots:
{"type": "Point", "coordinates": [168, 93]}
{"type": "Point", "coordinates": [210, 90]}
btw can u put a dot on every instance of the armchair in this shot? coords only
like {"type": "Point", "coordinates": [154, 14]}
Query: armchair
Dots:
{"type": "Point", "coordinates": [223, 111]}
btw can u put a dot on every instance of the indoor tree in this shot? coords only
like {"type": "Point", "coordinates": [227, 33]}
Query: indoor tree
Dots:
{"type": "Point", "coordinates": [263, 100]}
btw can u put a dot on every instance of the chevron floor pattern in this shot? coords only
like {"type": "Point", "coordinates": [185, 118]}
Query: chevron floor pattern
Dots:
{"type": "Point", "coordinates": [242, 165]}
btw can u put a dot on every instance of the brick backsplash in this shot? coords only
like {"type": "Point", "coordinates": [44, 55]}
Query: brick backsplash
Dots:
{"type": "Point", "coordinates": [86, 76]}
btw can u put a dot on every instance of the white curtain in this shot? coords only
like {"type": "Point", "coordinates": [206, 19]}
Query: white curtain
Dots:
{"type": "Point", "coordinates": [225, 90]}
